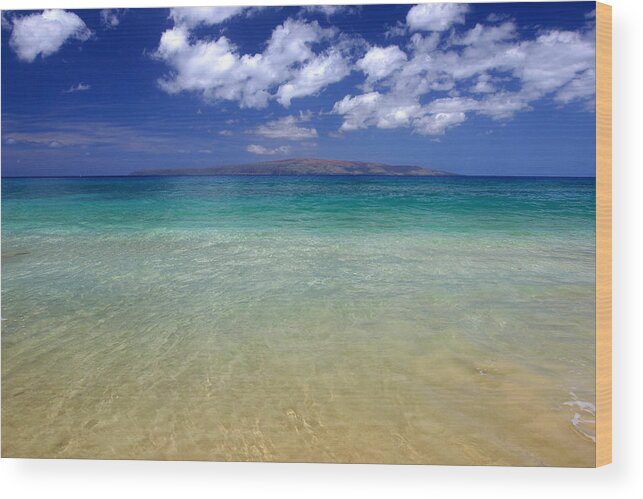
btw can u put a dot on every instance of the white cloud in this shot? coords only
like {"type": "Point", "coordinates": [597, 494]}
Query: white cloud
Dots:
{"type": "Point", "coordinates": [437, 124]}
{"type": "Point", "coordinates": [435, 16]}
{"type": "Point", "coordinates": [389, 111]}
{"type": "Point", "coordinates": [376, 109]}
{"type": "Point", "coordinates": [329, 10]}
{"type": "Point", "coordinates": [484, 85]}
{"type": "Point", "coordinates": [494, 17]}
{"type": "Point", "coordinates": [319, 72]}
{"type": "Point", "coordinates": [482, 36]}
{"type": "Point", "coordinates": [395, 31]}
{"type": "Point", "coordinates": [380, 62]}
{"type": "Point", "coordinates": [288, 127]}
{"type": "Point", "coordinates": [81, 87]}
{"type": "Point", "coordinates": [359, 111]}
{"type": "Point", "coordinates": [582, 87]}
{"type": "Point", "coordinates": [554, 60]}
{"type": "Point", "coordinates": [217, 71]}
{"type": "Point", "coordinates": [110, 18]}
{"type": "Point", "coordinates": [435, 81]}
{"type": "Point", "coordinates": [44, 33]}
{"type": "Point", "coordinates": [191, 17]}
{"type": "Point", "coordinates": [487, 70]}
{"type": "Point", "coordinates": [502, 105]}
{"type": "Point", "coordinates": [266, 151]}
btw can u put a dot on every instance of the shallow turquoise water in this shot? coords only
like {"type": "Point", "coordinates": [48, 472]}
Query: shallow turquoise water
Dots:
{"type": "Point", "coordinates": [370, 319]}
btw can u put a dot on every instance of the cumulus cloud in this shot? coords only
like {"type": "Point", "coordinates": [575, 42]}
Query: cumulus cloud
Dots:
{"type": "Point", "coordinates": [359, 111]}
{"type": "Point", "coordinates": [436, 16]}
{"type": "Point", "coordinates": [487, 70]}
{"type": "Point", "coordinates": [391, 111]}
{"type": "Point", "coordinates": [81, 87]}
{"type": "Point", "coordinates": [438, 123]}
{"type": "Point", "coordinates": [316, 74]}
{"type": "Point", "coordinates": [380, 62]}
{"type": "Point", "coordinates": [434, 79]}
{"type": "Point", "coordinates": [191, 17]}
{"type": "Point", "coordinates": [582, 87]}
{"type": "Point", "coordinates": [44, 33]}
{"type": "Point", "coordinates": [288, 127]}
{"type": "Point", "coordinates": [267, 151]}
{"type": "Point", "coordinates": [287, 68]}
{"type": "Point", "coordinates": [483, 85]}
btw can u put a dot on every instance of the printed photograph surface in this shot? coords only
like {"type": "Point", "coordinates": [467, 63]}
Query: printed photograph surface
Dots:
{"type": "Point", "coordinates": [338, 234]}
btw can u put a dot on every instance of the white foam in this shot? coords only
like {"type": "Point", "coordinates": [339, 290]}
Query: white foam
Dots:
{"type": "Point", "coordinates": [582, 405]}
{"type": "Point", "coordinates": [580, 421]}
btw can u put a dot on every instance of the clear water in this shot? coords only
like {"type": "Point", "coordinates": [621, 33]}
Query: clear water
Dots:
{"type": "Point", "coordinates": [397, 320]}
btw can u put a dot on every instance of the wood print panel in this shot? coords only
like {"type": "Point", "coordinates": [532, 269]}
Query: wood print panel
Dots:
{"type": "Point", "coordinates": [603, 234]}
{"type": "Point", "coordinates": [343, 234]}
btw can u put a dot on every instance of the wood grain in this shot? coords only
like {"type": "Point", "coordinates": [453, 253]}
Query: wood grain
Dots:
{"type": "Point", "coordinates": [603, 234]}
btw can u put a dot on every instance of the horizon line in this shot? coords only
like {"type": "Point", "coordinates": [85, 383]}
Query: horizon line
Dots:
{"type": "Point", "coordinates": [295, 175]}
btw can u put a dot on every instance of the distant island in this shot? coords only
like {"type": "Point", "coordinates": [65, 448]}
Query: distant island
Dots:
{"type": "Point", "coordinates": [303, 166]}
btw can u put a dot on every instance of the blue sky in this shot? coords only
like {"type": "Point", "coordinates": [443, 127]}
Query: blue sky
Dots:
{"type": "Point", "coordinates": [487, 89]}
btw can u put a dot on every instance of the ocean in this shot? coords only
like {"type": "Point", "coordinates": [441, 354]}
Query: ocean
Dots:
{"type": "Point", "coordinates": [436, 320]}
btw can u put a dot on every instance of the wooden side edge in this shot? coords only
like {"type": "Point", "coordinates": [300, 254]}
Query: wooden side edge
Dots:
{"type": "Point", "coordinates": [603, 234]}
